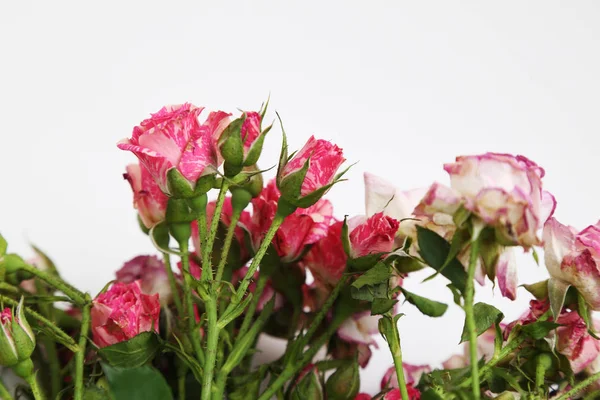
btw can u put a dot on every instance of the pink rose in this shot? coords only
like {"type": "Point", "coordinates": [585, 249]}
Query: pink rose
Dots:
{"type": "Point", "coordinates": [151, 273]}
{"type": "Point", "coordinates": [148, 199]}
{"type": "Point", "coordinates": [572, 258]}
{"type": "Point", "coordinates": [123, 312]}
{"type": "Point", "coordinates": [412, 375]}
{"type": "Point", "coordinates": [505, 191]}
{"type": "Point", "coordinates": [362, 396]}
{"type": "Point", "coordinates": [303, 227]}
{"type": "Point", "coordinates": [360, 328]}
{"type": "Point", "coordinates": [173, 138]}
{"type": "Point", "coordinates": [326, 259]}
{"type": "Point", "coordinates": [371, 235]}
{"type": "Point", "coordinates": [394, 394]}
{"type": "Point", "coordinates": [325, 159]}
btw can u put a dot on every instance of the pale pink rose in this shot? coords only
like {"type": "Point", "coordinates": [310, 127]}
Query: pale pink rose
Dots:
{"type": "Point", "coordinates": [123, 312]}
{"type": "Point", "coordinates": [325, 160]}
{"type": "Point", "coordinates": [151, 273]}
{"type": "Point", "coordinates": [303, 227]}
{"type": "Point", "coordinates": [382, 196]}
{"type": "Point", "coordinates": [371, 235]}
{"type": "Point", "coordinates": [412, 375]}
{"type": "Point", "coordinates": [506, 273]}
{"type": "Point", "coordinates": [573, 258]}
{"type": "Point", "coordinates": [173, 138]}
{"type": "Point", "coordinates": [148, 198]}
{"type": "Point", "coordinates": [326, 259]}
{"type": "Point", "coordinates": [455, 361]}
{"type": "Point", "coordinates": [505, 191]}
{"type": "Point", "coordinates": [360, 328]}
{"type": "Point", "coordinates": [574, 341]}
{"type": "Point", "coordinates": [485, 350]}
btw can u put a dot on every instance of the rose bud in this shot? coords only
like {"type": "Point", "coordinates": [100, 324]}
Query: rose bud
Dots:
{"type": "Point", "coordinates": [572, 259]}
{"type": "Point", "coordinates": [308, 385]}
{"type": "Point", "coordinates": [123, 312]}
{"type": "Point", "coordinates": [148, 199]}
{"type": "Point", "coordinates": [175, 149]}
{"type": "Point", "coordinates": [310, 173]}
{"type": "Point", "coordinates": [241, 142]}
{"type": "Point", "coordinates": [344, 383]}
{"type": "Point", "coordinates": [17, 340]}
{"type": "Point", "coordinates": [151, 273]}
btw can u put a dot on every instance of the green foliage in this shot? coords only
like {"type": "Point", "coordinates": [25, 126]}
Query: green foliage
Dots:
{"type": "Point", "coordinates": [132, 353]}
{"type": "Point", "coordinates": [142, 383]}
{"type": "Point", "coordinates": [428, 307]}
{"type": "Point", "coordinates": [485, 316]}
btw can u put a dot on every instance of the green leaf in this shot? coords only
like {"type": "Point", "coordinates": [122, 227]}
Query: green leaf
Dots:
{"type": "Point", "coordinates": [428, 307]}
{"type": "Point", "coordinates": [431, 394]}
{"type": "Point", "coordinates": [3, 246]}
{"type": "Point", "coordinates": [381, 306]}
{"type": "Point", "coordinates": [380, 273]}
{"type": "Point", "coordinates": [370, 292]}
{"type": "Point", "coordinates": [485, 316]}
{"type": "Point", "coordinates": [346, 236]}
{"type": "Point", "coordinates": [434, 249]}
{"type": "Point", "coordinates": [132, 353]}
{"type": "Point", "coordinates": [143, 383]}
{"type": "Point", "coordinates": [539, 330]}
{"type": "Point", "coordinates": [539, 290]}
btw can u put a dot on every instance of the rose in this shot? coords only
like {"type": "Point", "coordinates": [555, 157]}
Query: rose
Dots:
{"type": "Point", "coordinates": [485, 350]}
{"type": "Point", "coordinates": [151, 273]}
{"type": "Point", "coordinates": [123, 312]}
{"type": "Point", "coordinates": [505, 191]}
{"type": "Point", "coordinates": [326, 259]}
{"type": "Point", "coordinates": [308, 175]}
{"type": "Point", "coordinates": [17, 340]}
{"type": "Point", "coordinates": [572, 259]}
{"type": "Point", "coordinates": [382, 196]}
{"type": "Point", "coordinates": [395, 394]}
{"type": "Point", "coordinates": [303, 227]}
{"type": "Point", "coordinates": [148, 198]}
{"type": "Point", "coordinates": [371, 235]}
{"type": "Point", "coordinates": [173, 138]}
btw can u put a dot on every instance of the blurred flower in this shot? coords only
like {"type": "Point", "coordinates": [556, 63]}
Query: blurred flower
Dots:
{"type": "Point", "coordinates": [371, 235]}
{"type": "Point", "coordinates": [151, 273]}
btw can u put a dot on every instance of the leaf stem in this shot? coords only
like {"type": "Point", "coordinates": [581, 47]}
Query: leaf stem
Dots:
{"type": "Point", "coordinates": [173, 284]}
{"type": "Point", "coordinates": [260, 287]}
{"type": "Point", "coordinates": [470, 319]}
{"type": "Point", "coordinates": [194, 332]}
{"type": "Point", "coordinates": [212, 233]}
{"type": "Point", "coordinates": [80, 355]}
{"type": "Point", "coordinates": [56, 282]}
{"type": "Point", "coordinates": [580, 386]}
{"type": "Point", "coordinates": [227, 244]}
{"type": "Point", "coordinates": [212, 341]}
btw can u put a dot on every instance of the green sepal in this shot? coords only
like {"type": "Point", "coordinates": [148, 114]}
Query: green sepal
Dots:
{"type": "Point", "coordinates": [291, 186]}
{"type": "Point", "coordinates": [134, 352]}
{"type": "Point", "coordinates": [230, 143]}
{"type": "Point", "coordinates": [204, 184]}
{"type": "Point", "coordinates": [178, 186]}
{"type": "Point", "coordinates": [22, 334]}
{"type": "Point", "coordinates": [344, 383]}
{"type": "Point", "coordinates": [8, 351]}
{"type": "Point", "coordinates": [255, 150]}
{"type": "Point", "coordinates": [557, 293]}
{"type": "Point", "coordinates": [585, 313]}
{"type": "Point", "coordinates": [283, 156]}
{"type": "Point", "coordinates": [539, 290]}
{"type": "Point", "coordinates": [309, 387]}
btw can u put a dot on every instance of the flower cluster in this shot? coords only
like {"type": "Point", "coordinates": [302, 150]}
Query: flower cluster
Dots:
{"type": "Point", "coordinates": [238, 257]}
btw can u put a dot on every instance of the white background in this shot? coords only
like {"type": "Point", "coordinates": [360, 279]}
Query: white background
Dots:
{"type": "Point", "coordinates": [402, 86]}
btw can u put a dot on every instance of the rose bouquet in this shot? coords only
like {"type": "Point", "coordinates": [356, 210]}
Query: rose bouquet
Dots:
{"type": "Point", "coordinates": [273, 259]}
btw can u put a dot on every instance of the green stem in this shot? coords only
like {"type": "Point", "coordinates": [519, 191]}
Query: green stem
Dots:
{"type": "Point", "coordinates": [4, 393]}
{"type": "Point", "coordinates": [394, 344]}
{"type": "Point", "coordinates": [35, 388]}
{"type": "Point", "coordinates": [260, 287]}
{"type": "Point", "coordinates": [212, 341]}
{"type": "Point", "coordinates": [80, 355]}
{"type": "Point", "coordinates": [580, 386]}
{"type": "Point", "coordinates": [227, 245]}
{"type": "Point", "coordinates": [181, 387]}
{"type": "Point", "coordinates": [54, 281]}
{"type": "Point", "coordinates": [262, 250]}
{"type": "Point", "coordinates": [202, 233]}
{"type": "Point", "coordinates": [65, 339]}
{"type": "Point", "coordinates": [194, 332]}
{"type": "Point", "coordinates": [212, 233]}
{"type": "Point", "coordinates": [173, 284]}
{"type": "Point", "coordinates": [49, 345]}
{"type": "Point", "coordinates": [470, 320]}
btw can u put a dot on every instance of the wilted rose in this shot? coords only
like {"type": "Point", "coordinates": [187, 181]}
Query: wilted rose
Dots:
{"type": "Point", "coordinates": [573, 258]}
{"type": "Point", "coordinates": [148, 198]}
{"type": "Point", "coordinates": [173, 138]}
{"type": "Point", "coordinates": [123, 312]}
